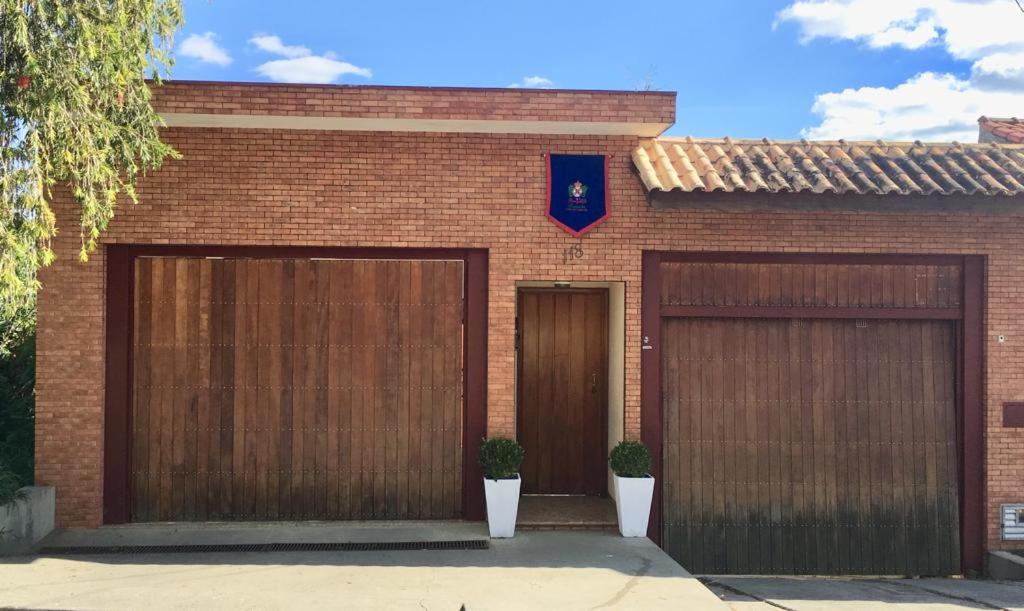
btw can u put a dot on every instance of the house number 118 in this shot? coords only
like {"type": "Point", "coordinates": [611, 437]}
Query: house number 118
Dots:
{"type": "Point", "coordinates": [573, 252]}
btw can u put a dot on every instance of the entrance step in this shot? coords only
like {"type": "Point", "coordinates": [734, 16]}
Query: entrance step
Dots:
{"type": "Point", "coordinates": [542, 512]}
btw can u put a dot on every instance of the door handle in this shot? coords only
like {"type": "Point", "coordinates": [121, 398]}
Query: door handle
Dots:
{"type": "Point", "coordinates": [593, 382]}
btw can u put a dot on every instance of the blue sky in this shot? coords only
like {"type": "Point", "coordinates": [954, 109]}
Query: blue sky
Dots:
{"type": "Point", "coordinates": [745, 68]}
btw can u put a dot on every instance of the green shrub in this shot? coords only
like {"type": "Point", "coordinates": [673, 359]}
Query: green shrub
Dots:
{"type": "Point", "coordinates": [9, 485]}
{"type": "Point", "coordinates": [500, 458]}
{"type": "Point", "coordinates": [630, 459]}
{"type": "Point", "coordinates": [17, 405]}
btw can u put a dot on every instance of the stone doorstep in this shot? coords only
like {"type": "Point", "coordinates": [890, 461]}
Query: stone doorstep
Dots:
{"type": "Point", "coordinates": [545, 512]}
{"type": "Point", "coordinates": [568, 526]}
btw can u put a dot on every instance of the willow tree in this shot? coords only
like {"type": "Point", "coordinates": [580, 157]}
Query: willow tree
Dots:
{"type": "Point", "coordinates": [74, 113]}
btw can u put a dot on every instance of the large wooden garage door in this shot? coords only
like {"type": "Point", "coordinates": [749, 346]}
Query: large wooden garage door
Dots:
{"type": "Point", "coordinates": [268, 389]}
{"type": "Point", "coordinates": [807, 440]}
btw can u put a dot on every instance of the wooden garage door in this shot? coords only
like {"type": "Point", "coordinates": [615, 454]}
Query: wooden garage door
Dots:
{"type": "Point", "coordinates": [810, 445]}
{"type": "Point", "coordinates": [267, 389]}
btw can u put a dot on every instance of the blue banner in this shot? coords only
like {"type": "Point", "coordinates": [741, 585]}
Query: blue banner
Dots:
{"type": "Point", "coordinates": [578, 192]}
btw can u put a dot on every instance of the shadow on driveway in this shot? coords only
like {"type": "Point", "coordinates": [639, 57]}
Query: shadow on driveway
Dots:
{"type": "Point", "coordinates": [854, 594]}
{"type": "Point", "coordinates": [537, 569]}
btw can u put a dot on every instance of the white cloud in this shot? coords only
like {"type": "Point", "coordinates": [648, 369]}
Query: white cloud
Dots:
{"type": "Point", "coordinates": [273, 44]}
{"type": "Point", "coordinates": [928, 106]}
{"type": "Point", "coordinates": [968, 29]}
{"type": "Point", "coordinates": [999, 71]}
{"type": "Point", "coordinates": [205, 49]}
{"type": "Point", "coordinates": [537, 82]}
{"type": "Point", "coordinates": [311, 69]}
{"type": "Point", "coordinates": [300, 65]}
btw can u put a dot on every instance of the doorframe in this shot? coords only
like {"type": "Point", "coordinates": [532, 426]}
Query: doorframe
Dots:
{"type": "Point", "coordinates": [119, 313]}
{"type": "Point", "coordinates": [604, 290]}
{"type": "Point", "coordinates": [970, 371]}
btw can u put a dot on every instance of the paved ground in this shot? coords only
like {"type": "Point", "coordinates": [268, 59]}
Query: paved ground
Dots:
{"type": "Point", "coordinates": [536, 570]}
{"type": "Point", "coordinates": [807, 594]}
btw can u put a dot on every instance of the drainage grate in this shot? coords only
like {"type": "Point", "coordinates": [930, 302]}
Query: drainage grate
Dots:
{"type": "Point", "coordinates": [400, 546]}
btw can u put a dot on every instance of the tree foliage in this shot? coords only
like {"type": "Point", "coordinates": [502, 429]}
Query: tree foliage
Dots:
{"type": "Point", "coordinates": [75, 111]}
{"type": "Point", "coordinates": [17, 413]}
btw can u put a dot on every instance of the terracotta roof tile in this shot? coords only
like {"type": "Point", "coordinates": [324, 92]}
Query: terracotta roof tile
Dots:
{"type": "Point", "coordinates": [866, 168]}
{"type": "Point", "coordinates": [1002, 130]}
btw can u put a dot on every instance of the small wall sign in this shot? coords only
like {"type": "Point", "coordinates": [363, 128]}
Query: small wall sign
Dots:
{"type": "Point", "coordinates": [1013, 415]}
{"type": "Point", "coordinates": [578, 192]}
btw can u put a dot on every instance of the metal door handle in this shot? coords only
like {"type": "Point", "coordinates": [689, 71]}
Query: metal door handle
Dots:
{"type": "Point", "coordinates": [593, 382]}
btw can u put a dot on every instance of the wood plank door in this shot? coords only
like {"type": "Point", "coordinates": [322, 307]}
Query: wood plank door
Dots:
{"type": "Point", "coordinates": [563, 390]}
{"type": "Point", "coordinates": [810, 446]}
{"type": "Point", "coordinates": [276, 389]}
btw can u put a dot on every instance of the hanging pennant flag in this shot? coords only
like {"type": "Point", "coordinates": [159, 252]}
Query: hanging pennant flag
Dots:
{"type": "Point", "coordinates": [578, 192]}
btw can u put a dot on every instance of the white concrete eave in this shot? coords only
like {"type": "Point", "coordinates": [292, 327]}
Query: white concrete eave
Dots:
{"type": "Point", "coordinates": [479, 126]}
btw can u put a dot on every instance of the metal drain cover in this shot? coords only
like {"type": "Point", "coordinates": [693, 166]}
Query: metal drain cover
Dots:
{"type": "Point", "coordinates": [400, 546]}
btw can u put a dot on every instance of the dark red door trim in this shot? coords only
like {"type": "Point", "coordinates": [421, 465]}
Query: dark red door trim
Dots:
{"type": "Point", "coordinates": [650, 379]}
{"type": "Point", "coordinates": [117, 420]}
{"type": "Point", "coordinates": [971, 373]}
{"type": "Point", "coordinates": [809, 258]}
{"type": "Point", "coordinates": [701, 311]}
{"type": "Point", "coordinates": [475, 379]}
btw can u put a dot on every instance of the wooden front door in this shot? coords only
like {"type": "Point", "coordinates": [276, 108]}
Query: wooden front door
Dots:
{"type": "Point", "coordinates": [563, 390]}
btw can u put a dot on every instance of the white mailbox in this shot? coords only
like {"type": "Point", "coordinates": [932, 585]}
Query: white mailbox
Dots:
{"type": "Point", "coordinates": [1013, 522]}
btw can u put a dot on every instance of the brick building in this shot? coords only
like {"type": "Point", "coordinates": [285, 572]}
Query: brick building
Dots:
{"type": "Point", "coordinates": [319, 310]}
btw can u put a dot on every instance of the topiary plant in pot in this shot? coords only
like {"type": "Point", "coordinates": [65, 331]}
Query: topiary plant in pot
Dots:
{"type": "Point", "coordinates": [634, 487]}
{"type": "Point", "coordinates": [500, 459]}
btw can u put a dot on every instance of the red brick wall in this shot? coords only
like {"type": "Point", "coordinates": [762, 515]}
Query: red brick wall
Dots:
{"type": "Point", "coordinates": [416, 102]}
{"type": "Point", "coordinates": [457, 190]}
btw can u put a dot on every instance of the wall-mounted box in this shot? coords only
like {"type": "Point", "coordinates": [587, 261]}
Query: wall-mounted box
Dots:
{"type": "Point", "coordinates": [1013, 522]}
{"type": "Point", "coordinates": [1013, 414]}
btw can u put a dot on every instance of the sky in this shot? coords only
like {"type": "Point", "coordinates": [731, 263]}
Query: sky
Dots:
{"type": "Point", "coordinates": [818, 69]}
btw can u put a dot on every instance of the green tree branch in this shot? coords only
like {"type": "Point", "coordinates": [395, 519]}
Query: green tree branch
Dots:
{"type": "Point", "coordinates": [74, 111]}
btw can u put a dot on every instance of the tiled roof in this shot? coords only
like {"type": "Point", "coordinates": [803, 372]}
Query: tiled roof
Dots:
{"type": "Point", "coordinates": [865, 168]}
{"type": "Point", "coordinates": [1004, 130]}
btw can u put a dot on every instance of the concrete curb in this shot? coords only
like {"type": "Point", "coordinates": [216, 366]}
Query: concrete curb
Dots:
{"type": "Point", "coordinates": [228, 533]}
{"type": "Point", "coordinates": [1005, 566]}
{"type": "Point", "coordinates": [25, 521]}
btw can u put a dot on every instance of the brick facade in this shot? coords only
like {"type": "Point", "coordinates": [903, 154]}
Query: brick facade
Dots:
{"type": "Point", "coordinates": [289, 187]}
{"type": "Point", "coordinates": [417, 102]}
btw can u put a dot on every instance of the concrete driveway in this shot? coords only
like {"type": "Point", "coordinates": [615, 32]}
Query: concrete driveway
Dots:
{"type": "Point", "coordinates": [813, 593]}
{"type": "Point", "coordinates": [535, 570]}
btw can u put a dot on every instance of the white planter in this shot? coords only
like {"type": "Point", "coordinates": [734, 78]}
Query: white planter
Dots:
{"type": "Point", "coordinates": [633, 502]}
{"type": "Point", "coordinates": [502, 506]}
